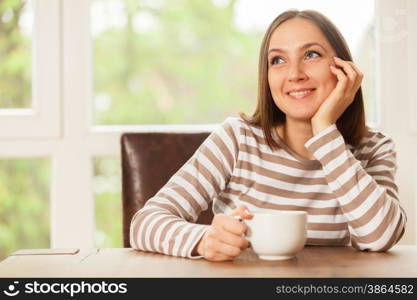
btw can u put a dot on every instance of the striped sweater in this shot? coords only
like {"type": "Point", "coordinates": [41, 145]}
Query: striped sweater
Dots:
{"type": "Point", "coordinates": [349, 193]}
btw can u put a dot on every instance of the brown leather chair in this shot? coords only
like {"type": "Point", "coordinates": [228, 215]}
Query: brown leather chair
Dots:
{"type": "Point", "coordinates": [148, 161]}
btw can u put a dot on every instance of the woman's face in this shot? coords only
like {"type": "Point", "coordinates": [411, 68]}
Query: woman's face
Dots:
{"type": "Point", "coordinates": [299, 76]}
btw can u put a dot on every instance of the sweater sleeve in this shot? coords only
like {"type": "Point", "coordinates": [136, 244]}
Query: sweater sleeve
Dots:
{"type": "Point", "coordinates": [166, 223]}
{"type": "Point", "coordinates": [368, 196]}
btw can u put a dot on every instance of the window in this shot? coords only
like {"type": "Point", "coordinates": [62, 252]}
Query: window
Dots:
{"type": "Point", "coordinates": [108, 205]}
{"type": "Point", "coordinates": [24, 204]}
{"type": "Point", "coordinates": [29, 109]}
{"type": "Point", "coordinates": [29, 69]}
{"type": "Point", "coordinates": [188, 63]}
{"type": "Point", "coordinates": [15, 54]}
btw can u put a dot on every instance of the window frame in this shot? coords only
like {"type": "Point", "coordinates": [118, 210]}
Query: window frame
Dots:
{"type": "Point", "coordinates": [43, 118]}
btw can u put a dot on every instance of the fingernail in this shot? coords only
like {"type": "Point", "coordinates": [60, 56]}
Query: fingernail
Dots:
{"type": "Point", "coordinates": [336, 58]}
{"type": "Point", "coordinates": [239, 218]}
{"type": "Point", "coordinates": [333, 68]}
{"type": "Point", "coordinates": [247, 212]}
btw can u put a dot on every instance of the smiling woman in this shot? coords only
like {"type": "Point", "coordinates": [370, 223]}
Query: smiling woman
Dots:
{"type": "Point", "coordinates": [305, 66]}
{"type": "Point", "coordinates": [303, 71]}
{"type": "Point", "coordinates": [305, 148]}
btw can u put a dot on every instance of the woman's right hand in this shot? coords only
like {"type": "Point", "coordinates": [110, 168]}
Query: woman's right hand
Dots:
{"type": "Point", "coordinates": [224, 239]}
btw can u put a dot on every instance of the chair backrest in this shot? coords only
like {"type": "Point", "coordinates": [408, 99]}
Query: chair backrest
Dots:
{"type": "Point", "coordinates": [148, 162]}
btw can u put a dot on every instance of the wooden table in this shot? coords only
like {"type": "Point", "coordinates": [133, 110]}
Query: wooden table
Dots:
{"type": "Point", "coordinates": [312, 261]}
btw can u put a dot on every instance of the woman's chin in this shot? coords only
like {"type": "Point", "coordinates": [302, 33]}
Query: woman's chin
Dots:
{"type": "Point", "coordinates": [300, 111]}
{"type": "Point", "coordinates": [301, 116]}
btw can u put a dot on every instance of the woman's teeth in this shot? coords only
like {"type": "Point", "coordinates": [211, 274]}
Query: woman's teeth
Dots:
{"type": "Point", "coordinates": [301, 94]}
{"type": "Point", "coordinates": [297, 94]}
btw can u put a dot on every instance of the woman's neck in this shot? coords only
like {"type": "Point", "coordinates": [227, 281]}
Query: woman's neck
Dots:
{"type": "Point", "coordinates": [295, 134]}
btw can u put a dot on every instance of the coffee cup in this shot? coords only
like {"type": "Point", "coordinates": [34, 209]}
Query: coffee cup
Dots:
{"type": "Point", "coordinates": [277, 235]}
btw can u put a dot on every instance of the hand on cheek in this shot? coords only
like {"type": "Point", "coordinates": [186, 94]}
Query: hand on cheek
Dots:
{"type": "Point", "coordinates": [349, 79]}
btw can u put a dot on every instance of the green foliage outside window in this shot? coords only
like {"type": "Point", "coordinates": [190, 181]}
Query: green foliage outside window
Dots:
{"type": "Point", "coordinates": [15, 56]}
{"type": "Point", "coordinates": [191, 65]}
{"type": "Point", "coordinates": [24, 204]}
{"type": "Point", "coordinates": [108, 205]}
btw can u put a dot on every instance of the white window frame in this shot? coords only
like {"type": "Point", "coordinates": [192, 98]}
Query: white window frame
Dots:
{"type": "Point", "coordinates": [42, 120]}
{"type": "Point", "coordinates": [64, 133]}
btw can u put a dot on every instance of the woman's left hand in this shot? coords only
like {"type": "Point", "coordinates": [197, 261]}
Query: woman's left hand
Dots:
{"type": "Point", "coordinates": [349, 79]}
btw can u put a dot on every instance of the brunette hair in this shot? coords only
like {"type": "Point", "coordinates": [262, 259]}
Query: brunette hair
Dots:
{"type": "Point", "coordinates": [267, 115]}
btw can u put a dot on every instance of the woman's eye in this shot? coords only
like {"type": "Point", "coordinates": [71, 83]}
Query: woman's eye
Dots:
{"type": "Point", "coordinates": [312, 54]}
{"type": "Point", "coordinates": [276, 60]}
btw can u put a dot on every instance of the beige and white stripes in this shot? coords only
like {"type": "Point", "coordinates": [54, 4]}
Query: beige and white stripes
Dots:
{"type": "Point", "coordinates": [349, 193]}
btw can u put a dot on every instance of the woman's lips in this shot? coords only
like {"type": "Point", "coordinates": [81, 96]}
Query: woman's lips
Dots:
{"type": "Point", "coordinates": [301, 94]}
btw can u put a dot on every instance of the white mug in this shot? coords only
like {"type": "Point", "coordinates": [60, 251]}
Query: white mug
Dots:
{"type": "Point", "coordinates": [277, 235]}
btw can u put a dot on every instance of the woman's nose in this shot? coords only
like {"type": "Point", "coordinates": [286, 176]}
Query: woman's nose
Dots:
{"type": "Point", "coordinates": [296, 73]}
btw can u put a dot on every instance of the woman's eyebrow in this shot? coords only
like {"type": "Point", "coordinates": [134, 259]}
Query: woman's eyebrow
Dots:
{"type": "Point", "coordinates": [305, 46]}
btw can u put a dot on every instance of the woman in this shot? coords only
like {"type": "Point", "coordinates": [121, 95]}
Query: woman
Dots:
{"type": "Point", "coordinates": [306, 147]}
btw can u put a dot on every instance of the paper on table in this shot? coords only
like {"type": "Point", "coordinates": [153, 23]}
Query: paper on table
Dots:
{"type": "Point", "coordinates": [55, 251]}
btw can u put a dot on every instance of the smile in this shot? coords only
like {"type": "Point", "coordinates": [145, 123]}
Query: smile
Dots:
{"type": "Point", "coordinates": [301, 94]}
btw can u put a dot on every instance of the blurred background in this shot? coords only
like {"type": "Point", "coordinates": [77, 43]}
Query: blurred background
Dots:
{"type": "Point", "coordinates": [129, 65]}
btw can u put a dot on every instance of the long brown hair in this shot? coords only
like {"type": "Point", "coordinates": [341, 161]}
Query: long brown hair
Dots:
{"type": "Point", "coordinates": [267, 115]}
